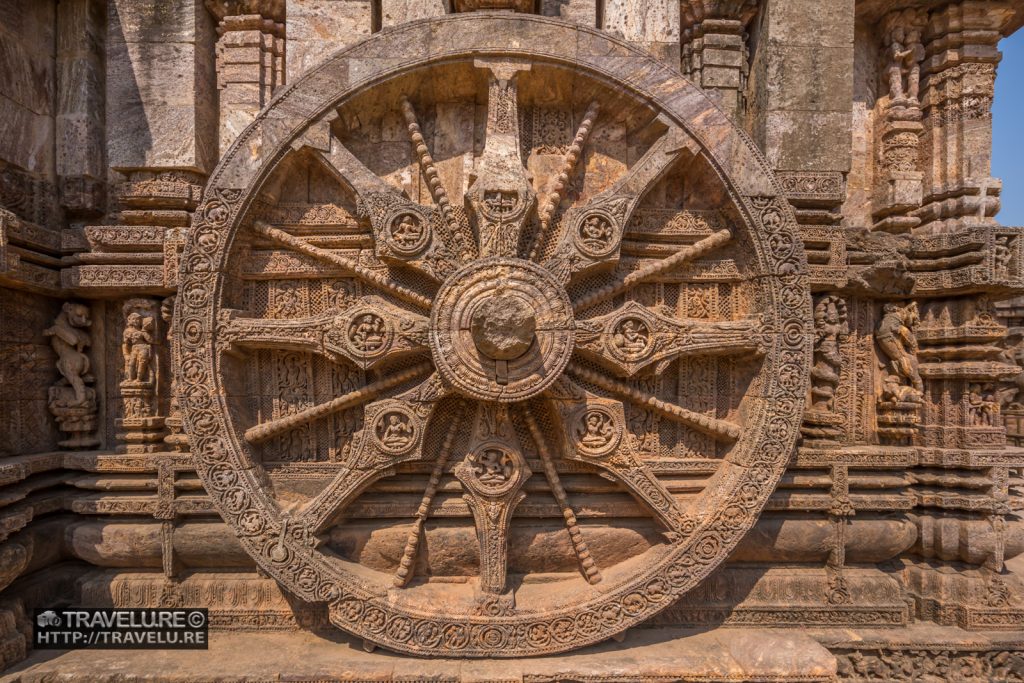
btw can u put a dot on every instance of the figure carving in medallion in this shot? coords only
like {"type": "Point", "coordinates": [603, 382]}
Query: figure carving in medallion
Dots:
{"type": "Point", "coordinates": [596, 430]}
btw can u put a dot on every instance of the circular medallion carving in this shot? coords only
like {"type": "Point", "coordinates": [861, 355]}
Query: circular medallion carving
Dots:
{"type": "Point", "coordinates": [408, 233]}
{"type": "Point", "coordinates": [631, 338]}
{"type": "Point", "coordinates": [521, 338]}
{"type": "Point", "coordinates": [368, 334]}
{"type": "Point", "coordinates": [596, 431]}
{"type": "Point", "coordinates": [396, 430]}
{"type": "Point", "coordinates": [493, 468]}
{"type": "Point", "coordinates": [501, 329]}
{"type": "Point", "coordinates": [595, 234]}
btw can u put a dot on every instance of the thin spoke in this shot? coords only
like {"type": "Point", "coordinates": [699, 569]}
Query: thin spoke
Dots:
{"type": "Point", "coordinates": [412, 543]}
{"type": "Point", "coordinates": [653, 270]}
{"type": "Point", "coordinates": [267, 430]}
{"type": "Point", "coordinates": [579, 544]}
{"type": "Point", "coordinates": [550, 202]}
{"type": "Point", "coordinates": [719, 429]}
{"type": "Point", "coordinates": [376, 279]}
{"type": "Point", "coordinates": [419, 144]}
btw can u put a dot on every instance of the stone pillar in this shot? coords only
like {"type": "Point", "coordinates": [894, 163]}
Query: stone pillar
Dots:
{"type": "Point", "coordinates": [714, 47]}
{"type": "Point", "coordinates": [27, 96]}
{"type": "Point", "coordinates": [798, 99]}
{"type": "Point", "coordinates": [250, 60]}
{"type": "Point", "coordinates": [898, 188]}
{"type": "Point", "coordinates": [579, 11]}
{"type": "Point", "coordinates": [651, 24]}
{"type": "Point", "coordinates": [959, 73]}
{"type": "Point", "coordinates": [803, 88]}
{"type": "Point", "coordinates": [161, 86]}
{"type": "Point", "coordinates": [81, 29]}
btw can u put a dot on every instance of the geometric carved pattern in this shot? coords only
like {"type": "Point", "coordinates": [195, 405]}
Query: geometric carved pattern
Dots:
{"type": "Point", "coordinates": [501, 375]}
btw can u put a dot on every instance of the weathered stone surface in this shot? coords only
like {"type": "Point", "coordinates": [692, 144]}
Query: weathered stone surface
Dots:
{"type": "Point", "coordinates": [642, 656]}
{"type": "Point", "coordinates": [485, 329]}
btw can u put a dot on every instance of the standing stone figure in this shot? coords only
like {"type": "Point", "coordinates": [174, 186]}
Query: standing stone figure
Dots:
{"type": "Point", "coordinates": [904, 56]}
{"type": "Point", "coordinates": [897, 339]}
{"type": "Point", "coordinates": [137, 348]}
{"type": "Point", "coordinates": [140, 426]}
{"type": "Point", "coordinates": [830, 323]}
{"type": "Point", "coordinates": [71, 401]}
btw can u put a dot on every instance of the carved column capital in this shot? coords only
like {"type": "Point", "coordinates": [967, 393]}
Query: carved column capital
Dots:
{"type": "Point", "coordinates": [273, 10]}
{"type": "Point", "coordinates": [693, 12]}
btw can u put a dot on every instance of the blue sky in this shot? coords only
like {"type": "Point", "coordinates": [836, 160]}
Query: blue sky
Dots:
{"type": "Point", "coordinates": [1007, 133]}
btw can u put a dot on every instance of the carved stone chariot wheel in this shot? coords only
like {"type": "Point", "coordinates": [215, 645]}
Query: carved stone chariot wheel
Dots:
{"type": "Point", "coordinates": [494, 350]}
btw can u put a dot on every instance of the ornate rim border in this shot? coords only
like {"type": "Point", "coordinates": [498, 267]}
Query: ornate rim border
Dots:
{"type": "Point", "coordinates": [744, 481]}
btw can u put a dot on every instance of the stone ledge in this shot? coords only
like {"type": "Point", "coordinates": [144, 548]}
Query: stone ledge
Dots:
{"type": "Point", "coordinates": [644, 655]}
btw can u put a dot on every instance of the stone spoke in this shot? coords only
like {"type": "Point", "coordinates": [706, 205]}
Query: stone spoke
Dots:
{"type": "Point", "coordinates": [404, 232]}
{"type": "Point", "coordinates": [593, 431]}
{"type": "Point", "coordinates": [591, 234]}
{"type": "Point", "coordinates": [501, 196]}
{"type": "Point", "coordinates": [635, 337]}
{"type": "Point", "coordinates": [492, 474]}
{"type": "Point", "coordinates": [652, 270]}
{"type": "Point", "coordinates": [549, 203]}
{"type": "Point", "coordinates": [366, 333]}
{"type": "Point", "coordinates": [437, 190]}
{"type": "Point", "coordinates": [412, 543]}
{"type": "Point", "coordinates": [719, 429]}
{"type": "Point", "coordinates": [393, 433]}
{"type": "Point", "coordinates": [579, 544]}
{"type": "Point", "coordinates": [369, 276]}
{"type": "Point", "coordinates": [267, 430]}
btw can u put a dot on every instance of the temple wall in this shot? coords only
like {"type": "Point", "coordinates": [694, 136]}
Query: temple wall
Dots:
{"type": "Point", "coordinates": [901, 501]}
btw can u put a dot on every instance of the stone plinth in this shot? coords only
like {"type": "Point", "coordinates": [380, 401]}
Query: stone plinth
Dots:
{"type": "Point", "coordinates": [723, 655]}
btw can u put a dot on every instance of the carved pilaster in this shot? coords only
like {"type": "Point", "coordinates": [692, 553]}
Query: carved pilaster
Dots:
{"type": "Point", "coordinates": [959, 78]}
{"type": "Point", "coordinates": [898, 187]}
{"type": "Point", "coordinates": [963, 361]}
{"type": "Point", "coordinates": [176, 439]}
{"type": "Point", "coordinates": [250, 60]}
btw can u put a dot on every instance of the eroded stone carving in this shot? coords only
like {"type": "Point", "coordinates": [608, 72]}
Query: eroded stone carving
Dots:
{"type": "Point", "coordinates": [902, 389]}
{"type": "Point", "coordinates": [904, 54]}
{"type": "Point", "coordinates": [831, 325]}
{"type": "Point", "coordinates": [408, 469]}
{"type": "Point", "coordinates": [140, 425]}
{"type": "Point", "coordinates": [72, 401]}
